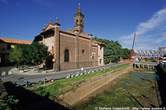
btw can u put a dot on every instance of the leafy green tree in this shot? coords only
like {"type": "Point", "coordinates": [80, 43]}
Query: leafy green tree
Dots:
{"type": "Point", "coordinates": [33, 54]}
{"type": "Point", "coordinates": [113, 51]}
{"type": "Point", "coordinates": [38, 53]}
{"type": "Point", "coordinates": [125, 53]}
{"type": "Point", "coordinates": [15, 55]}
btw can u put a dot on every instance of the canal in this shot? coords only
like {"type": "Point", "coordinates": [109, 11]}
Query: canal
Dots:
{"type": "Point", "coordinates": [137, 89]}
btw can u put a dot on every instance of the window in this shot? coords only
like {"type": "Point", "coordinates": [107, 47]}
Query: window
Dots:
{"type": "Point", "coordinates": [83, 51]}
{"type": "Point", "coordinates": [77, 22]}
{"type": "Point", "coordinates": [100, 61]}
{"type": "Point", "coordinates": [66, 55]}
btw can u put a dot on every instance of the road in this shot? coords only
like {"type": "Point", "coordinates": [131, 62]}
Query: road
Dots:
{"type": "Point", "coordinates": [21, 79]}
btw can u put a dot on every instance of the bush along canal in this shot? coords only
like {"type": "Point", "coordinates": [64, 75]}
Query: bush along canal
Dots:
{"type": "Point", "coordinates": [137, 89]}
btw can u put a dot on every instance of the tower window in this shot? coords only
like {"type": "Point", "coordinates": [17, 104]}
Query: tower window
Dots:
{"type": "Point", "coordinates": [66, 55]}
{"type": "Point", "coordinates": [77, 21]}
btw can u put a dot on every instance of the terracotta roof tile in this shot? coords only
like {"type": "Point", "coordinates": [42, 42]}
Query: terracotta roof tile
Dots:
{"type": "Point", "coordinates": [15, 41]}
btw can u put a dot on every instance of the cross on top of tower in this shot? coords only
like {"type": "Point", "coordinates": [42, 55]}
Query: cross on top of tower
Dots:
{"type": "Point", "coordinates": [79, 5]}
{"type": "Point", "coordinates": [78, 12]}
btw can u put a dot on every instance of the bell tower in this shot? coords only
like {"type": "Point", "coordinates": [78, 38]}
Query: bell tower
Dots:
{"type": "Point", "coordinates": [78, 20]}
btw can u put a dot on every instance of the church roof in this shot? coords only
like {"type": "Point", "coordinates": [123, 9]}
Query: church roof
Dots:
{"type": "Point", "coordinates": [44, 34]}
{"type": "Point", "coordinates": [79, 13]}
{"type": "Point", "coordinates": [15, 41]}
{"type": "Point", "coordinates": [48, 26]}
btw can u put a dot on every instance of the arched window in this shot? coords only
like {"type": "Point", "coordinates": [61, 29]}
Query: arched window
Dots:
{"type": "Point", "coordinates": [83, 51]}
{"type": "Point", "coordinates": [66, 55]}
{"type": "Point", "coordinates": [76, 22]}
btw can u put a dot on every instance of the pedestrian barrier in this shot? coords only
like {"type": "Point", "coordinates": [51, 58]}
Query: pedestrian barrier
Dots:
{"type": "Point", "coordinates": [84, 73]}
{"type": "Point", "coordinates": [76, 75]}
{"type": "Point", "coordinates": [68, 76]}
{"type": "Point", "coordinates": [51, 78]}
{"type": "Point", "coordinates": [72, 76]}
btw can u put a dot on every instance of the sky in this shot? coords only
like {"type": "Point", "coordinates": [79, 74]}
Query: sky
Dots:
{"type": "Point", "coordinates": [108, 19]}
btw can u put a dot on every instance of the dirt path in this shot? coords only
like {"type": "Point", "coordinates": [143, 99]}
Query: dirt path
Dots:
{"type": "Point", "coordinates": [90, 87]}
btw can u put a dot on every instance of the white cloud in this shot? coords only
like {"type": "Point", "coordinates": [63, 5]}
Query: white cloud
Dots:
{"type": "Point", "coordinates": [155, 21]}
{"type": "Point", "coordinates": [150, 34]}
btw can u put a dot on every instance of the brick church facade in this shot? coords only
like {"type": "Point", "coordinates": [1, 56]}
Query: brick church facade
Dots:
{"type": "Point", "coordinates": [71, 49]}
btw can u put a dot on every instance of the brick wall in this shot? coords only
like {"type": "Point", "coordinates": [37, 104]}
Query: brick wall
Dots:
{"type": "Point", "coordinates": [67, 42]}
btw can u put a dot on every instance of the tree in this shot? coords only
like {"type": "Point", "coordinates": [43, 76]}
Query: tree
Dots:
{"type": "Point", "coordinates": [125, 53]}
{"type": "Point", "coordinates": [15, 55]}
{"type": "Point", "coordinates": [113, 50]}
{"type": "Point", "coordinates": [33, 54]}
{"type": "Point", "coordinates": [38, 53]}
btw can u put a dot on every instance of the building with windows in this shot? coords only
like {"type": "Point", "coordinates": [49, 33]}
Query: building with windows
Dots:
{"type": "Point", "coordinates": [72, 48]}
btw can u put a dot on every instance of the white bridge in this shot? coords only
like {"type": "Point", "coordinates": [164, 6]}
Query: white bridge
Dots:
{"type": "Point", "coordinates": [144, 66]}
{"type": "Point", "coordinates": [149, 53]}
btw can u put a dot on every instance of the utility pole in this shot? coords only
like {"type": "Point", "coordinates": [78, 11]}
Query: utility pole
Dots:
{"type": "Point", "coordinates": [133, 41]}
{"type": "Point", "coordinates": [132, 53]}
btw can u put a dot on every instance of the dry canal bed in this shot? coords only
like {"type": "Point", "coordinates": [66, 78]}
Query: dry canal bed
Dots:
{"type": "Point", "coordinates": [137, 89]}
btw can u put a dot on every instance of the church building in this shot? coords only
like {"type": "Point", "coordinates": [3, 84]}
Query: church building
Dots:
{"type": "Point", "coordinates": [71, 49]}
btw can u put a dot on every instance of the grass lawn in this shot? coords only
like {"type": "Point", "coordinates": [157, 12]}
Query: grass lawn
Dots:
{"type": "Point", "coordinates": [63, 85]}
{"type": "Point", "coordinates": [133, 90]}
